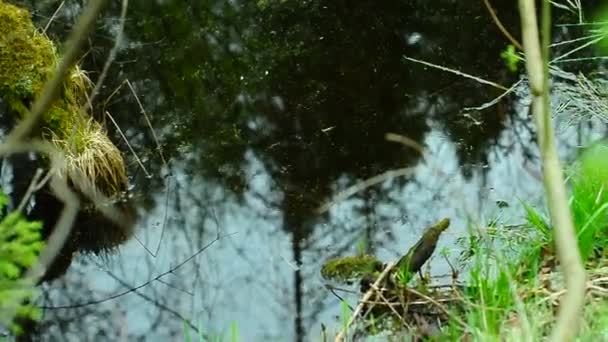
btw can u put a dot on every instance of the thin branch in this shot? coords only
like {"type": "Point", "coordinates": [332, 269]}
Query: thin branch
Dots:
{"type": "Point", "coordinates": [342, 334]}
{"type": "Point", "coordinates": [439, 306]}
{"type": "Point", "coordinates": [398, 138]}
{"type": "Point", "coordinates": [142, 285]}
{"type": "Point", "coordinates": [30, 190]}
{"type": "Point", "coordinates": [494, 101]}
{"type": "Point", "coordinates": [189, 293]}
{"type": "Point", "coordinates": [46, 27]}
{"type": "Point", "coordinates": [143, 111]}
{"type": "Point", "coordinates": [406, 171]}
{"type": "Point", "coordinates": [129, 145]}
{"type": "Point", "coordinates": [112, 54]}
{"type": "Point", "coordinates": [500, 26]}
{"type": "Point", "coordinates": [589, 43]}
{"type": "Point", "coordinates": [571, 309]}
{"type": "Point", "coordinates": [158, 304]}
{"type": "Point", "coordinates": [456, 72]}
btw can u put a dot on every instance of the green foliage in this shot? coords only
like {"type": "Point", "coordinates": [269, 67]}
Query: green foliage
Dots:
{"type": "Point", "coordinates": [362, 246]}
{"type": "Point", "coordinates": [603, 27]}
{"type": "Point", "coordinates": [588, 179]}
{"type": "Point", "coordinates": [211, 337]}
{"type": "Point", "coordinates": [403, 276]}
{"type": "Point", "coordinates": [346, 315]}
{"type": "Point", "coordinates": [20, 245]}
{"type": "Point", "coordinates": [510, 57]}
{"type": "Point", "coordinates": [537, 220]}
{"type": "Point", "coordinates": [589, 200]}
{"type": "Point", "coordinates": [510, 268]}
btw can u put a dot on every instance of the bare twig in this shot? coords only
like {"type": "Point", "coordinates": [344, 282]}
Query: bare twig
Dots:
{"type": "Point", "coordinates": [439, 306]}
{"type": "Point", "coordinates": [493, 101]}
{"type": "Point", "coordinates": [387, 303]}
{"type": "Point", "coordinates": [112, 55]}
{"type": "Point", "coordinates": [142, 285]}
{"type": "Point", "coordinates": [143, 111]}
{"type": "Point", "coordinates": [360, 186]}
{"type": "Point", "coordinates": [129, 145]}
{"type": "Point", "coordinates": [456, 72]}
{"type": "Point", "coordinates": [158, 304]}
{"type": "Point", "coordinates": [30, 190]}
{"type": "Point", "coordinates": [46, 27]}
{"type": "Point", "coordinates": [500, 26]}
{"type": "Point", "coordinates": [406, 142]}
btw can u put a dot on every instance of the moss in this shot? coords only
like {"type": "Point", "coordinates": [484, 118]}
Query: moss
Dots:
{"type": "Point", "coordinates": [348, 269]}
{"type": "Point", "coordinates": [27, 58]}
{"type": "Point", "coordinates": [27, 61]}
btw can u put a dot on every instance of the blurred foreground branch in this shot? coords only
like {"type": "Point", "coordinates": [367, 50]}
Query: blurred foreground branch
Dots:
{"type": "Point", "coordinates": [571, 308]}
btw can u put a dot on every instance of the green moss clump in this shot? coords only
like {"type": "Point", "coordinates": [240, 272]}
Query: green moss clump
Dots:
{"type": "Point", "coordinates": [27, 57]}
{"type": "Point", "coordinates": [27, 60]}
{"type": "Point", "coordinates": [350, 268]}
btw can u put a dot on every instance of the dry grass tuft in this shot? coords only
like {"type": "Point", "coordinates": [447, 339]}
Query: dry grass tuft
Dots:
{"type": "Point", "coordinates": [91, 155]}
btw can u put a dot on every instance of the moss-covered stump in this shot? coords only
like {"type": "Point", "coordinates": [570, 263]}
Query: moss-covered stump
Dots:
{"type": "Point", "coordinates": [27, 60]}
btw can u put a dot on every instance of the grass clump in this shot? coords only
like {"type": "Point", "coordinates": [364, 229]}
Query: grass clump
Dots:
{"type": "Point", "coordinates": [91, 154]}
{"type": "Point", "coordinates": [590, 199]}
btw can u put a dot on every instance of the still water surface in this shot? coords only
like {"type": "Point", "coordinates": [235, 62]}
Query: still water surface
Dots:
{"type": "Point", "coordinates": [265, 111]}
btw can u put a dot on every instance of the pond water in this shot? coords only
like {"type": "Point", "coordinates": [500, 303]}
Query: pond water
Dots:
{"type": "Point", "coordinates": [264, 112]}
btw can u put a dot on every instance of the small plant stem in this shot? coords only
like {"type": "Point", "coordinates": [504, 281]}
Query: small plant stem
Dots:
{"type": "Point", "coordinates": [571, 307]}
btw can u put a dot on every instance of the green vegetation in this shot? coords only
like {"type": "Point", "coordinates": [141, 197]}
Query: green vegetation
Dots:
{"type": "Point", "coordinates": [350, 268]}
{"type": "Point", "coordinates": [20, 245]}
{"type": "Point", "coordinates": [602, 18]}
{"type": "Point", "coordinates": [510, 57]}
{"type": "Point", "coordinates": [27, 60]}
{"type": "Point", "coordinates": [221, 337]}
{"type": "Point", "coordinates": [512, 284]}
